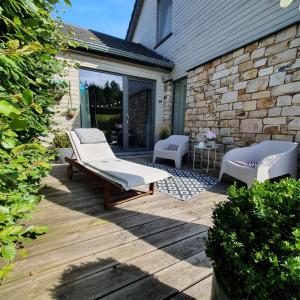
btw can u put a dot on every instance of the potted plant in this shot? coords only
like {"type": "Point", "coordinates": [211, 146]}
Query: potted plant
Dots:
{"type": "Point", "coordinates": [164, 133]}
{"type": "Point", "coordinates": [62, 143]}
{"type": "Point", "coordinates": [255, 242]}
{"type": "Point", "coordinates": [70, 113]}
{"type": "Point", "coordinates": [60, 88]}
{"type": "Point", "coordinates": [210, 138]}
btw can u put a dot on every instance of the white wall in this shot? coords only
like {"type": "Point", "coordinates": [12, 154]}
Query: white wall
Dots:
{"type": "Point", "coordinates": [205, 29]}
{"type": "Point", "coordinates": [108, 65]}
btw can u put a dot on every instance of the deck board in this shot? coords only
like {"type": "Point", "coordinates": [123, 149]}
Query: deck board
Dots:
{"type": "Point", "coordinates": [149, 248]}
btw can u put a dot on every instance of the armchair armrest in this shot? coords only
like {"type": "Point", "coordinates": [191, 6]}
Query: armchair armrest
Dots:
{"type": "Point", "coordinates": [183, 148]}
{"type": "Point", "coordinates": [160, 144]}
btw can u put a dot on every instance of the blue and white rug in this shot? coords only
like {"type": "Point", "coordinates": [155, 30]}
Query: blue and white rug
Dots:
{"type": "Point", "coordinates": [184, 184]}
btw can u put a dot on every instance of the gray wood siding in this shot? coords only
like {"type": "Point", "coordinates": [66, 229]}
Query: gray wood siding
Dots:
{"type": "Point", "coordinates": [205, 29]}
{"type": "Point", "coordinates": [145, 32]}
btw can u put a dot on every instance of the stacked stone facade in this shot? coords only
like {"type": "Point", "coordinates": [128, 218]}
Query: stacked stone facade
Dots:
{"type": "Point", "coordinates": [249, 95]}
{"type": "Point", "coordinates": [167, 105]}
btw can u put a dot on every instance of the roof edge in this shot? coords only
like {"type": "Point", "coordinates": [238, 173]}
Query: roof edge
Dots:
{"type": "Point", "coordinates": [138, 5]}
{"type": "Point", "coordinates": [114, 56]}
{"type": "Point", "coordinates": [137, 57]}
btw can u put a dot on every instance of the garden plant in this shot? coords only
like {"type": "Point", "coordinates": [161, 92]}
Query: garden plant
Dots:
{"type": "Point", "coordinates": [255, 241]}
{"type": "Point", "coordinates": [29, 43]}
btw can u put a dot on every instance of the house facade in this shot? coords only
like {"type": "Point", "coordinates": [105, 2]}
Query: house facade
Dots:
{"type": "Point", "coordinates": [237, 66]}
{"type": "Point", "coordinates": [115, 85]}
{"type": "Point", "coordinates": [234, 67]}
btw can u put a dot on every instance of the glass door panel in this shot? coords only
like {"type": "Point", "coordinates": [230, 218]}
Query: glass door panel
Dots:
{"type": "Point", "coordinates": [139, 114]}
{"type": "Point", "coordinates": [122, 107]}
{"type": "Point", "coordinates": [105, 100]}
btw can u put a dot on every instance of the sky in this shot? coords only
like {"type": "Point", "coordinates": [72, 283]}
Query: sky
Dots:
{"type": "Point", "coordinates": [107, 16]}
{"type": "Point", "coordinates": [99, 78]}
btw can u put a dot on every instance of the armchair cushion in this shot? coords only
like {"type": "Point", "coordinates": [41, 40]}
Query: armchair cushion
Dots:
{"type": "Point", "coordinates": [248, 164]}
{"type": "Point", "coordinates": [172, 147]}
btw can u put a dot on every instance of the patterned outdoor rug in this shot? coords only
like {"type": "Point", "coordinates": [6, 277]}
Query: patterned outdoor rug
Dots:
{"type": "Point", "coordinates": [183, 184]}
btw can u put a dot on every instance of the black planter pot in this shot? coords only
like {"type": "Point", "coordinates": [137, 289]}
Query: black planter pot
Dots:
{"type": "Point", "coordinates": [217, 292]}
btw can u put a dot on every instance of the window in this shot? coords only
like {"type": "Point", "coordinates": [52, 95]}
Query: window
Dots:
{"type": "Point", "coordinates": [164, 19]}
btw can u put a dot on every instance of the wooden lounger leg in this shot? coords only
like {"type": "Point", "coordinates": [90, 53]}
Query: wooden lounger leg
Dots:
{"type": "Point", "coordinates": [106, 196]}
{"type": "Point", "coordinates": [70, 171]}
{"type": "Point", "coordinates": [151, 188]}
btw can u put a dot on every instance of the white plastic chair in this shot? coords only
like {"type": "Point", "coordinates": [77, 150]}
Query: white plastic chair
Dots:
{"type": "Point", "coordinates": [269, 159]}
{"type": "Point", "coordinates": [160, 149]}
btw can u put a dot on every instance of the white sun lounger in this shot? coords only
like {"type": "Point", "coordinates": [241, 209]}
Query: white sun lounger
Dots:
{"type": "Point", "coordinates": [114, 174]}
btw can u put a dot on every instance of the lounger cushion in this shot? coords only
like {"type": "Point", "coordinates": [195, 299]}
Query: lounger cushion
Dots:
{"type": "Point", "coordinates": [90, 135]}
{"type": "Point", "coordinates": [89, 152]}
{"type": "Point", "coordinates": [127, 174]}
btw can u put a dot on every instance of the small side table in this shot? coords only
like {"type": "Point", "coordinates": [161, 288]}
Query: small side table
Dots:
{"type": "Point", "coordinates": [209, 149]}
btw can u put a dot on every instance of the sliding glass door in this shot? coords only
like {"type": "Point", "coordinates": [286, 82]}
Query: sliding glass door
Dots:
{"type": "Point", "coordinates": [121, 106]}
{"type": "Point", "coordinates": [102, 105]}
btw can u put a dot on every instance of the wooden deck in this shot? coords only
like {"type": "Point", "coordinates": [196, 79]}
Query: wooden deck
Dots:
{"type": "Point", "coordinates": [150, 248]}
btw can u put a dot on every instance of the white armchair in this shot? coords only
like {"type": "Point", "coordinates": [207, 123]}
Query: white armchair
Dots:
{"type": "Point", "coordinates": [160, 149]}
{"type": "Point", "coordinates": [261, 161]}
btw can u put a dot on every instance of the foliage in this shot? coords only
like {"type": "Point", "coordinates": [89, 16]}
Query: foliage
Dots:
{"type": "Point", "coordinates": [59, 87]}
{"type": "Point", "coordinates": [29, 43]}
{"type": "Point", "coordinates": [255, 241]}
{"type": "Point", "coordinates": [110, 95]}
{"type": "Point", "coordinates": [61, 140]}
{"type": "Point", "coordinates": [164, 133]}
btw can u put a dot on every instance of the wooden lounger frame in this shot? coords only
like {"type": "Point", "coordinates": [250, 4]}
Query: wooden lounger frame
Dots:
{"type": "Point", "coordinates": [107, 185]}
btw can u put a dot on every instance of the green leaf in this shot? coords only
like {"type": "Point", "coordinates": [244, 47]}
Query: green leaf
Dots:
{"type": "Point", "coordinates": [23, 253]}
{"type": "Point", "coordinates": [8, 143]}
{"type": "Point", "coordinates": [27, 97]}
{"type": "Point", "coordinates": [4, 271]}
{"type": "Point", "coordinates": [8, 251]}
{"type": "Point", "coordinates": [38, 230]}
{"type": "Point", "coordinates": [68, 2]}
{"type": "Point", "coordinates": [37, 108]}
{"type": "Point", "coordinates": [4, 209]}
{"type": "Point", "coordinates": [18, 124]}
{"type": "Point", "coordinates": [8, 109]}
{"type": "Point", "coordinates": [17, 20]}
{"type": "Point", "coordinates": [13, 44]}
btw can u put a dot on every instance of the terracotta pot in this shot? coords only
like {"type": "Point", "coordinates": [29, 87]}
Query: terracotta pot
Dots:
{"type": "Point", "coordinates": [71, 114]}
{"type": "Point", "coordinates": [217, 292]}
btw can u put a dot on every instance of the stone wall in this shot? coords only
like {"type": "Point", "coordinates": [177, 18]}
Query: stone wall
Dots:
{"type": "Point", "coordinates": [249, 95]}
{"type": "Point", "coordinates": [167, 105]}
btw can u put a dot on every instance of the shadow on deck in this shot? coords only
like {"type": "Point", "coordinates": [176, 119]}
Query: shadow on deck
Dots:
{"type": "Point", "coordinates": [149, 248]}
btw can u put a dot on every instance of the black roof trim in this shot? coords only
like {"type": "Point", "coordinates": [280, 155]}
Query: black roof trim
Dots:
{"type": "Point", "coordinates": [95, 41]}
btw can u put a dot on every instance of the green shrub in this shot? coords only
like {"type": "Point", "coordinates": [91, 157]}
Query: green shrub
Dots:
{"type": "Point", "coordinates": [164, 133]}
{"type": "Point", "coordinates": [29, 43]}
{"type": "Point", "coordinates": [255, 241]}
{"type": "Point", "coordinates": [61, 140]}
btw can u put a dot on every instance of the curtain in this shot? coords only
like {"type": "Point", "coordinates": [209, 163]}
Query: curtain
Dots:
{"type": "Point", "coordinates": [84, 107]}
